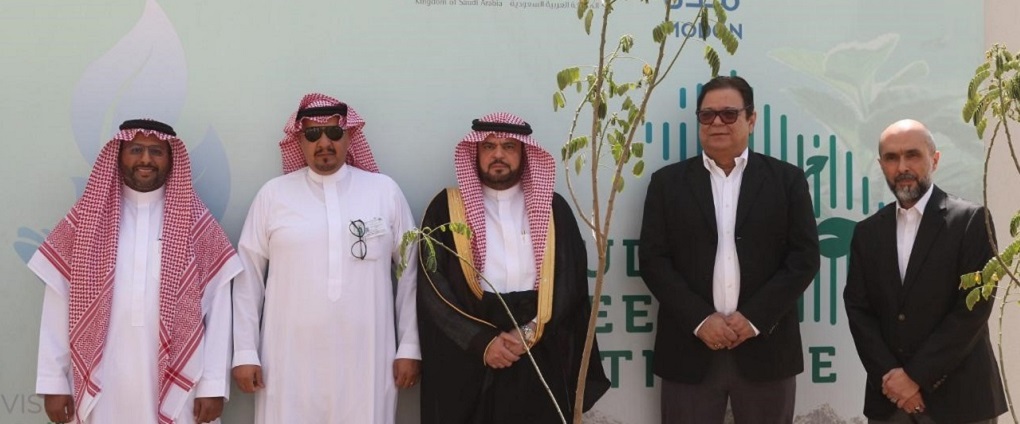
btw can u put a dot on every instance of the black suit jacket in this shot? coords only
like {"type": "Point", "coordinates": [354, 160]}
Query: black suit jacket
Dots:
{"type": "Point", "coordinates": [777, 248]}
{"type": "Point", "coordinates": [923, 325]}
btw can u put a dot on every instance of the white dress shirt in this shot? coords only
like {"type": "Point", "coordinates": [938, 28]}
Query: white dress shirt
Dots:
{"type": "Point", "coordinates": [726, 274]}
{"type": "Point", "coordinates": [907, 223]}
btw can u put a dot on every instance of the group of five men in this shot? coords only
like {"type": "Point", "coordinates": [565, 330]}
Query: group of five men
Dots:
{"type": "Point", "coordinates": [137, 322]}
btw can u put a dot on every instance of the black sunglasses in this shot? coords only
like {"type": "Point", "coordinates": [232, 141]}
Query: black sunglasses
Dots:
{"type": "Point", "coordinates": [359, 249]}
{"type": "Point", "coordinates": [334, 133]}
{"type": "Point", "coordinates": [728, 115]}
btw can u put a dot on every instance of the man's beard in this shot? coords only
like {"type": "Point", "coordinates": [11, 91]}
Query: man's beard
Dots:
{"type": "Point", "coordinates": [500, 181]}
{"type": "Point", "coordinates": [909, 194]}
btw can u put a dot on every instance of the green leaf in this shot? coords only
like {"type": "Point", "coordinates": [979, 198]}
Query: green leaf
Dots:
{"type": "Point", "coordinates": [980, 75]}
{"type": "Point", "coordinates": [602, 110]}
{"type": "Point", "coordinates": [973, 297]}
{"type": "Point", "coordinates": [1010, 254]}
{"type": "Point", "coordinates": [587, 21]}
{"type": "Point", "coordinates": [727, 38]}
{"type": "Point", "coordinates": [558, 101]}
{"type": "Point", "coordinates": [970, 280]}
{"type": "Point", "coordinates": [461, 228]}
{"type": "Point", "coordinates": [618, 183]}
{"type": "Point", "coordinates": [990, 273]}
{"type": "Point", "coordinates": [573, 146]}
{"type": "Point", "coordinates": [705, 29]}
{"type": "Point", "coordinates": [657, 35]}
{"type": "Point", "coordinates": [720, 13]}
{"type": "Point", "coordinates": [430, 257]}
{"type": "Point", "coordinates": [637, 149]}
{"type": "Point", "coordinates": [1014, 224]}
{"type": "Point", "coordinates": [578, 164]}
{"type": "Point", "coordinates": [632, 114]}
{"type": "Point", "coordinates": [581, 7]}
{"type": "Point", "coordinates": [567, 77]}
{"type": "Point", "coordinates": [713, 60]}
{"type": "Point", "coordinates": [617, 150]}
{"type": "Point", "coordinates": [578, 85]}
{"type": "Point", "coordinates": [623, 88]}
{"type": "Point", "coordinates": [639, 168]}
{"type": "Point", "coordinates": [1014, 88]}
{"type": "Point", "coordinates": [627, 104]}
{"type": "Point", "coordinates": [665, 29]}
{"type": "Point", "coordinates": [987, 290]}
{"type": "Point", "coordinates": [626, 43]}
{"type": "Point", "coordinates": [969, 108]}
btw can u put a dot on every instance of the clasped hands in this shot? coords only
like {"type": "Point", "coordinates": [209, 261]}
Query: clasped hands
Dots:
{"type": "Point", "coordinates": [901, 390]}
{"type": "Point", "coordinates": [504, 350]}
{"type": "Point", "coordinates": [720, 331]}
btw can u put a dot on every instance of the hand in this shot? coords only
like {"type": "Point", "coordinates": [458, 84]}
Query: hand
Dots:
{"type": "Point", "coordinates": [715, 333]}
{"type": "Point", "coordinates": [741, 326]}
{"type": "Point", "coordinates": [513, 342]}
{"type": "Point", "coordinates": [898, 386]}
{"type": "Point", "coordinates": [498, 355]}
{"type": "Point", "coordinates": [208, 409]}
{"type": "Point", "coordinates": [406, 372]}
{"type": "Point", "coordinates": [59, 408]}
{"type": "Point", "coordinates": [913, 405]}
{"type": "Point", "coordinates": [249, 378]}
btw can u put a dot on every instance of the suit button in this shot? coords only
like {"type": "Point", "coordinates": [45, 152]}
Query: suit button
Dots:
{"type": "Point", "coordinates": [901, 317]}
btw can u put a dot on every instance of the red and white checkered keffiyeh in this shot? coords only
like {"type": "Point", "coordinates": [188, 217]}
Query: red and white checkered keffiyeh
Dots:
{"type": "Point", "coordinates": [537, 181]}
{"type": "Point", "coordinates": [359, 154]}
{"type": "Point", "coordinates": [83, 248]}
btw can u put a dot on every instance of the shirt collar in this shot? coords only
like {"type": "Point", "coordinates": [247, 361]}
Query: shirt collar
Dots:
{"type": "Point", "coordinates": [920, 205]}
{"type": "Point", "coordinates": [741, 161]}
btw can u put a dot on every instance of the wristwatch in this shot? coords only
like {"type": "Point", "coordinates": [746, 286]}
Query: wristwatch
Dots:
{"type": "Point", "coordinates": [529, 332]}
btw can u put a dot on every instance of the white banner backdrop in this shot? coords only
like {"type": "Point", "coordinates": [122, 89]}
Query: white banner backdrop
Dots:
{"type": "Point", "coordinates": [226, 74]}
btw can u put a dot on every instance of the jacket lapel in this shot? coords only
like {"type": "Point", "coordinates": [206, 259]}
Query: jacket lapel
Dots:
{"type": "Point", "coordinates": [887, 257]}
{"type": "Point", "coordinates": [750, 185]}
{"type": "Point", "coordinates": [701, 184]}
{"type": "Point", "coordinates": [932, 223]}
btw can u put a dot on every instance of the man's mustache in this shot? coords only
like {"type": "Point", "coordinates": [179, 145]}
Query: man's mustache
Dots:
{"type": "Point", "coordinates": [328, 149]}
{"type": "Point", "coordinates": [906, 176]}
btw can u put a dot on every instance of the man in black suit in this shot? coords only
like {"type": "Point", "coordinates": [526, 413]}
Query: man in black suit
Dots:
{"type": "Point", "coordinates": [928, 358]}
{"type": "Point", "coordinates": [728, 244]}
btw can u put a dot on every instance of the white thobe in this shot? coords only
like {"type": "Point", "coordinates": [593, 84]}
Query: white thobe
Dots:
{"type": "Point", "coordinates": [509, 258]}
{"type": "Point", "coordinates": [128, 372]}
{"type": "Point", "coordinates": [327, 342]}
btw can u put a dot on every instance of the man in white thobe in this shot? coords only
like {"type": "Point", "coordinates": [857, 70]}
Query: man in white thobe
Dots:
{"type": "Point", "coordinates": [136, 310]}
{"type": "Point", "coordinates": [314, 310]}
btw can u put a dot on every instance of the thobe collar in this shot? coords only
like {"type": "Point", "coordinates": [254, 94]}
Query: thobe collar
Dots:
{"type": "Point", "coordinates": [335, 177]}
{"type": "Point", "coordinates": [144, 198]}
{"type": "Point", "coordinates": [503, 195]}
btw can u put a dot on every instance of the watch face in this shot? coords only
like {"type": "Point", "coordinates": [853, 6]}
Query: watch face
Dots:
{"type": "Point", "coordinates": [529, 333]}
